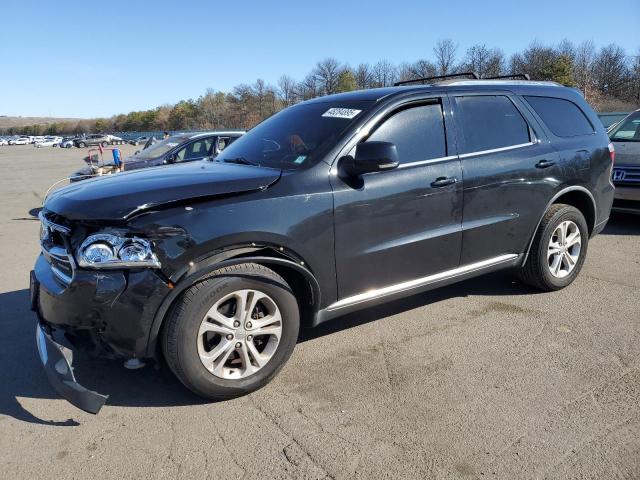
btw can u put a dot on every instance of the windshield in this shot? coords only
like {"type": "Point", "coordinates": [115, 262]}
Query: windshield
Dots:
{"type": "Point", "coordinates": [296, 137]}
{"type": "Point", "coordinates": [628, 130]}
{"type": "Point", "coordinates": [160, 148]}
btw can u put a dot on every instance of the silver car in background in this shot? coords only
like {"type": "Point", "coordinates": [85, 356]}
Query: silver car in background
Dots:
{"type": "Point", "coordinates": [625, 137]}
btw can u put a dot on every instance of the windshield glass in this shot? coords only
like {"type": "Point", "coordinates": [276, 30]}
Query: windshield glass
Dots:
{"type": "Point", "coordinates": [628, 130]}
{"type": "Point", "coordinates": [158, 149]}
{"type": "Point", "coordinates": [296, 137]}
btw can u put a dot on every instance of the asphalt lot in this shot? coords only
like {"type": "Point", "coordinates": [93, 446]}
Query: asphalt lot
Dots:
{"type": "Point", "coordinates": [482, 379]}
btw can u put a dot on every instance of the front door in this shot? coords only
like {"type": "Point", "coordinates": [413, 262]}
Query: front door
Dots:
{"type": "Point", "coordinates": [403, 224]}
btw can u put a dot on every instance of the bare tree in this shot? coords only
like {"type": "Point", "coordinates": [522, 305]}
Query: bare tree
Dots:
{"type": "Point", "coordinates": [287, 90]}
{"type": "Point", "coordinates": [583, 65]}
{"type": "Point", "coordinates": [363, 76]}
{"type": "Point", "coordinates": [384, 74]}
{"type": "Point", "coordinates": [327, 73]}
{"type": "Point", "coordinates": [308, 88]}
{"type": "Point", "coordinates": [485, 62]}
{"type": "Point", "coordinates": [445, 56]}
{"type": "Point", "coordinates": [610, 70]}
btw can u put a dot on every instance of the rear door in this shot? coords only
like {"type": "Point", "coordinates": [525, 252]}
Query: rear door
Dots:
{"type": "Point", "coordinates": [510, 171]}
{"type": "Point", "coordinates": [403, 224]}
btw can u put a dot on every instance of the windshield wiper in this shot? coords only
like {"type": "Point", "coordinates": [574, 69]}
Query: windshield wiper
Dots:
{"type": "Point", "coordinates": [239, 160]}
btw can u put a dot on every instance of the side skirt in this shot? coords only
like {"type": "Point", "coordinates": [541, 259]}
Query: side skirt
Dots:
{"type": "Point", "coordinates": [411, 287]}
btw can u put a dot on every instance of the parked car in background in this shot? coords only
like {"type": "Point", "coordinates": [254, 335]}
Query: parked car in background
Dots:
{"type": "Point", "coordinates": [67, 142]}
{"type": "Point", "coordinates": [3, 142]}
{"type": "Point", "coordinates": [609, 119]}
{"type": "Point", "coordinates": [626, 171]}
{"type": "Point", "coordinates": [113, 140]}
{"type": "Point", "coordinates": [20, 141]}
{"type": "Point", "coordinates": [180, 148]}
{"type": "Point", "coordinates": [48, 142]}
{"type": "Point", "coordinates": [92, 140]}
{"type": "Point", "coordinates": [325, 208]}
{"type": "Point", "coordinates": [139, 140]}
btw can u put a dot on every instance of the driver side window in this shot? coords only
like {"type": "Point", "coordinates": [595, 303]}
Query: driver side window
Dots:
{"type": "Point", "coordinates": [417, 132]}
{"type": "Point", "coordinates": [195, 150]}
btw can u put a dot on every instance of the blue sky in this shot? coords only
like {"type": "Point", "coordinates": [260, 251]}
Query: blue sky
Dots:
{"type": "Point", "coordinates": [87, 59]}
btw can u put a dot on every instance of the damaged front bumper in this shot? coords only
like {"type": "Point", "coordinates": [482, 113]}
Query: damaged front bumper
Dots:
{"type": "Point", "coordinates": [56, 360]}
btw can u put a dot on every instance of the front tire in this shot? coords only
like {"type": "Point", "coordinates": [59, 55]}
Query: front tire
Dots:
{"type": "Point", "coordinates": [558, 251]}
{"type": "Point", "coordinates": [231, 333]}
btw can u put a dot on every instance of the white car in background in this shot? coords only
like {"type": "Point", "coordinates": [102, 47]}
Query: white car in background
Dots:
{"type": "Point", "coordinates": [67, 142]}
{"type": "Point", "coordinates": [3, 142]}
{"type": "Point", "coordinates": [20, 141]}
{"type": "Point", "coordinates": [49, 142]}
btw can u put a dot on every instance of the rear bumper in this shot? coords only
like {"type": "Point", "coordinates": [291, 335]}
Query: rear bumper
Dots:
{"type": "Point", "coordinates": [56, 360]}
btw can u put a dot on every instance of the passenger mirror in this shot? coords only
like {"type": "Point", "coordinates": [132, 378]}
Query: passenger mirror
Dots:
{"type": "Point", "coordinates": [371, 157]}
{"type": "Point", "coordinates": [169, 159]}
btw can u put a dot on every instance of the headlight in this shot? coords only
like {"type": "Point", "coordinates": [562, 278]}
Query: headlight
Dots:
{"type": "Point", "coordinates": [111, 251]}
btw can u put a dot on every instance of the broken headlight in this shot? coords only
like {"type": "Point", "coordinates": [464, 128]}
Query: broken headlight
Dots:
{"type": "Point", "coordinates": [105, 250]}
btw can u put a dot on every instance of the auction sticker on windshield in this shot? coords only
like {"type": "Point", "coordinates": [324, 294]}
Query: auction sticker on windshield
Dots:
{"type": "Point", "coordinates": [341, 113]}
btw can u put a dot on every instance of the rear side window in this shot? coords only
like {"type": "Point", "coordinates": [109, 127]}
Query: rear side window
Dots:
{"type": "Point", "coordinates": [417, 132]}
{"type": "Point", "coordinates": [563, 117]}
{"type": "Point", "coordinates": [490, 122]}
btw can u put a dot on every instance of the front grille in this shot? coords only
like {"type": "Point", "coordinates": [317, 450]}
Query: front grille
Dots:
{"type": "Point", "coordinates": [54, 241]}
{"type": "Point", "coordinates": [626, 175]}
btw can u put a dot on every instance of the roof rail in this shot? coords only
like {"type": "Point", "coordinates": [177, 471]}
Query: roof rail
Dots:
{"type": "Point", "coordinates": [515, 76]}
{"type": "Point", "coordinates": [472, 75]}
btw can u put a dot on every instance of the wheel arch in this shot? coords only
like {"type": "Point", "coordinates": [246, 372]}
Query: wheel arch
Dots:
{"type": "Point", "coordinates": [284, 262]}
{"type": "Point", "coordinates": [576, 196]}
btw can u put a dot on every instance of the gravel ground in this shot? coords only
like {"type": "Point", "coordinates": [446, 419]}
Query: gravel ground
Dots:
{"type": "Point", "coordinates": [486, 378]}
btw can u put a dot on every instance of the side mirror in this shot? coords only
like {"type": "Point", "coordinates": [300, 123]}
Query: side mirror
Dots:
{"type": "Point", "coordinates": [371, 157]}
{"type": "Point", "coordinates": [169, 159]}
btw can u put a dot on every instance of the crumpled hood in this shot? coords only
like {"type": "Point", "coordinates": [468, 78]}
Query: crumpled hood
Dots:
{"type": "Point", "coordinates": [117, 197]}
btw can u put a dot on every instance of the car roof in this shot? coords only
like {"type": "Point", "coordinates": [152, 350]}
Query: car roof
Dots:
{"type": "Point", "coordinates": [522, 87]}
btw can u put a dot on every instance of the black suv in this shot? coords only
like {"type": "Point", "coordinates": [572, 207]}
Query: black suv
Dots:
{"type": "Point", "coordinates": [328, 207]}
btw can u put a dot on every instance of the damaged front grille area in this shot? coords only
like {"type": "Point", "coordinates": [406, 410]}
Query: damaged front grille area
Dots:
{"type": "Point", "coordinates": [54, 243]}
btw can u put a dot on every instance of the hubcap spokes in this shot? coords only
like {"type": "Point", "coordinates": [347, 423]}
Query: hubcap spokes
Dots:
{"type": "Point", "coordinates": [239, 334]}
{"type": "Point", "coordinates": [564, 249]}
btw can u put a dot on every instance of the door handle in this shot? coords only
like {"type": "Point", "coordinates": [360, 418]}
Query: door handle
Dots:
{"type": "Point", "coordinates": [443, 182]}
{"type": "Point", "coordinates": [545, 164]}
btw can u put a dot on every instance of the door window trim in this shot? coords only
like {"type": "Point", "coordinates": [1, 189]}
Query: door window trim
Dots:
{"type": "Point", "coordinates": [435, 100]}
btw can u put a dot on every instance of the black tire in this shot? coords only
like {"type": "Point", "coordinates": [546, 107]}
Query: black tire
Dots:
{"type": "Point", "coordinates": [180, 332]}
{"type": "Point", "coordinates": [81, 144]}
{"type": "Point", "coordinates": [104, 144]}
{"type": "Point", "coordinates": [536, 271]}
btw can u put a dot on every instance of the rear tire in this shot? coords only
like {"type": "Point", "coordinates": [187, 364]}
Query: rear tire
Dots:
{"type": "Point", "coordinates": [558, 250]}
{"type": "Point", "coordinates": [82, 145]}
{"type": "Point", "coordinates": [217, 347]}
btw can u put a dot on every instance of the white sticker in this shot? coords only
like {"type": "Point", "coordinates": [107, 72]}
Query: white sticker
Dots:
{"type": "Point", "coordinates": [341, 113]}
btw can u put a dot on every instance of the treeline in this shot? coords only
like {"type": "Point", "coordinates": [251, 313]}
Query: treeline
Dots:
{"type": "Point", "coordinates": [608, 77]}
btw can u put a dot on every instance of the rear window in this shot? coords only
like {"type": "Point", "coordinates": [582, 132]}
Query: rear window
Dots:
{"type": "Point", "coordinates": [563, 117]}
{"type": "Point", "coordinates": [490, 122]}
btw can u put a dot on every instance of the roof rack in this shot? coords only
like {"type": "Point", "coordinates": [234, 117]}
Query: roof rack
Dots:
{"type": "Point", "coordinates": [515, 76]}
{"type": "Point", "coordinates": [472, 75]}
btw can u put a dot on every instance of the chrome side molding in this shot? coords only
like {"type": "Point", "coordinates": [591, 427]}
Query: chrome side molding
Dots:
{"type": "Point", "coordinates": [419, 282]}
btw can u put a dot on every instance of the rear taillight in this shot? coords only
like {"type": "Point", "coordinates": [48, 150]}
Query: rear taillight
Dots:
{"type": "Point", "coordinates": [612, 152]}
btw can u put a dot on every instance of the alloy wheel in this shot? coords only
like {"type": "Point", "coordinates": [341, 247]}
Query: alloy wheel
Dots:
{"type": "Point", "coordinates": [564, 249]}
{"type": "Point", "coordinates": [239, 334]}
